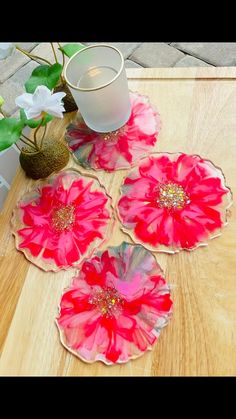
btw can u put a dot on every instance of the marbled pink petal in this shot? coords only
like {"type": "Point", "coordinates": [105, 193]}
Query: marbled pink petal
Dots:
{"type": "Point", "coordinates": [126, 329]}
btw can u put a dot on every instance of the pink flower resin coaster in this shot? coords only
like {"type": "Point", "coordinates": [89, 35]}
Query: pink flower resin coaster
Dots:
{"type": "Point", "coordinates": [118, 149]}
{"type": "Point", "coordinates": [116, 307]}
{"type": "Point", "coordinates": [172, 202]}
{"type": "Point", "coordinates": [62, 219]}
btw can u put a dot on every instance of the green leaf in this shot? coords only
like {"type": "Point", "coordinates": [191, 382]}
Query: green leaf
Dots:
{"type": "Point", "coordinates": [10, 132]}
{"type": "Point", "coordinates": [45, 75]}
{"type": "Point", "coordinates": [71, 49]}
{"type": "Point", "coordinates": [32, 123]}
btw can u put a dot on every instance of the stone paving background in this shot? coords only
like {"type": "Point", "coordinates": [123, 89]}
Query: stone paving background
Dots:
{"type": "Point", "coordinates": [16, 69]}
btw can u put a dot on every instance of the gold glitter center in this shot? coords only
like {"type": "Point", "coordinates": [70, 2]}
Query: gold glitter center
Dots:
{"type": "Point", "coordinates": [172, 196]}
{"type": "Point", "coordinates": [112, 135]}
{"type": "Point", "coordinates": [108, 301]}
{"type": "Point", "coordinates": [63, 218]}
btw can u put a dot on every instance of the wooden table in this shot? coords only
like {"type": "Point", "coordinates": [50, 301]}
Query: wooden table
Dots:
{"type": "Point", "coordinates": [198, 111]}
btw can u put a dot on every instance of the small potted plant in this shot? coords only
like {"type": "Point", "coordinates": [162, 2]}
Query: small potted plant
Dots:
{"type": "Point", "coordinates": [48, 74]}
{"type": "Point", "coordinates": [41, 155]}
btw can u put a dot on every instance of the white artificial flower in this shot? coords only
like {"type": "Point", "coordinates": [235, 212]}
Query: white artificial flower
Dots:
{"type": "Point", "coordinates": [42, 100]}
{"type": "Point", "coordinates": [6, 49]}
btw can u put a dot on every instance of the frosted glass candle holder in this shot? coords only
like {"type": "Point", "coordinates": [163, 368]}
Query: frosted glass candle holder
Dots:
{"type": "Point", "coordinates": [97, 78]}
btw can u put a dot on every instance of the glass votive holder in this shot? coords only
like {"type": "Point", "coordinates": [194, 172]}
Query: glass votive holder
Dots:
{"type": "Point", "coordinates": [97, 78]}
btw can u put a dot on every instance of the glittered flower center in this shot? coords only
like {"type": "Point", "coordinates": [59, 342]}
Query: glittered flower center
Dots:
{"type": "Point", "coordinates": [63, 218]}
{"type": "Point", "coordinates": [172, 196]}
{"type": "Point", "coordinates": [113, 135]}
{"type": "Point", "coordinates": [108, 301]}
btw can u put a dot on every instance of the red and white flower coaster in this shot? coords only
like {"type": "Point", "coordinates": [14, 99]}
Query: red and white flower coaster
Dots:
{"type": "Point", "coordinates": [62, 220]}
{"type": "Point", "coordinates": [118, 149]}
{"type": "Point", "coordinates": [115, 308]}
{"type": "Point", "coordinates": [174, 201]}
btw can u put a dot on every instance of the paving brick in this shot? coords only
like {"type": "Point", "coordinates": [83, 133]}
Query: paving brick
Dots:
{"type": "Point", "coordinates": [44, 50]}
{"type": "Point", "coordinates": [9, 90]}
{"type": "Point", "coordinates": [189, 61]}
{"type": "Point", "coordinates": [126, 48]}
{"type": "Point", "coordinates": [28, 46]}
{"type": "Point", "coordinates": [132, 64]}
{"type": "Point", "coordinates": [11, 64]}
{"type": "Point", "coordinates": [216, 53]}
{"type": "Point", "coordinates": [14, 86]}
{"type": "Point", "coordinates": [156, 55]}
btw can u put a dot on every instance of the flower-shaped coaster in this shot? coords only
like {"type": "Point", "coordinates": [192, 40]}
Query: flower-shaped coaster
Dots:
{"type": "Point", "coordinates": [116, 307]}
{"type": "Point", "coordinates": [61, 220]}
{"type": "Point", "coordinates": [118, 149]}
{"type": "Point", "coordinates": [172, 202]}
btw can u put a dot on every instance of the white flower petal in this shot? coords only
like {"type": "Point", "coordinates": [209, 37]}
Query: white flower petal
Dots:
{"type": "Point", "coordinates": [42, 100]}
{"type": "Point", "coordinates": [41, 95]}
{"type": "Point", "coordinates": [24, 101]}
{"type": "Point", "coordinates": [58, 96]}
{"type": "Point", "coordinates": [32, 113]}
{"type": "Point", "coordinates": [55, 100]}
{"type": "Point", "coordinates": [55, 110]}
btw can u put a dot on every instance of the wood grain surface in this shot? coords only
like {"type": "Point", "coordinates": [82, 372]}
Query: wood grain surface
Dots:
{"type": "Point", "coordinates": [198, 112]}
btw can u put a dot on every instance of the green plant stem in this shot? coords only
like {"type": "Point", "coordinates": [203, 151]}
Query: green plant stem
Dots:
{"type": "Point", "coordinates": [63, 65]}
{"type": "Point", "coordinates": [62, 79]}
{"type": "Point", "coordinates": [32, 56]}
{"type": "Point", "coordinates": [63, 57]}
{"type": "Point", "coordinates": [55, 56]}
{"type": "Point", "coordinates": [28, 139]}
{"type": "Point", "coordinates": [29, 145]}
{"type": "Point", "coordinates": [35, 135]}
{"type": "Point", "coordinates": [54, 52]}
{"type": "Point", "coordinates": [18, 147]}
{"type": "Point", "coordinates": [45, 129]}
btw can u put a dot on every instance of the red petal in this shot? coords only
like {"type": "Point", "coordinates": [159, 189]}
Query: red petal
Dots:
{"type": "Point", "coordinates": [156, 168]}
{"type": "Point", "coordinates": [208, 192]}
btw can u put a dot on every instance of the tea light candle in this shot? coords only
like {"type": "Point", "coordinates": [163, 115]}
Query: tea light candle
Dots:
{"type": "Point", "coordinates": [97, 78]}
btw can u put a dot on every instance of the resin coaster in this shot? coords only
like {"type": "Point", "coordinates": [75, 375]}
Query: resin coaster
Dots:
{"type": "Point", "coordinates": [118, 149]}
{"type": "Point", "coordinates": [116, 307]}
{"type": "Point", "coordinates": [62, 219]}
{"type": "Point", "coordinates": [172, 202]}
